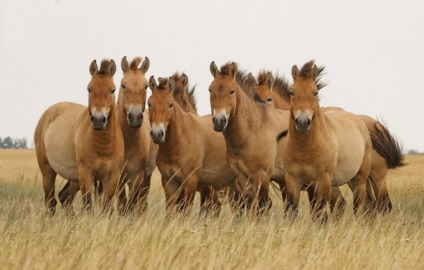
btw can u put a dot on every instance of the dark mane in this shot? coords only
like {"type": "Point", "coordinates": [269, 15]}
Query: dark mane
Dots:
{"type": "Point", "coordinates": [162, 84]}
{"type": "Point", "coordinates": [245, 82]}
{"type": "Point", "coordinates": [104, 67]}
{"type": "Point", "coordinates": [305, 72]}
{"type": "Point", "coordinates": [183, 95]}
{"type": "Point", "coordinates": [135, 62]}
{"type": "Point", "coordinates": [281, 85]}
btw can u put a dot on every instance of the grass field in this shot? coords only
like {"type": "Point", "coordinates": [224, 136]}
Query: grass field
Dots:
{"type": "Point", "coordinates": [31, 240]}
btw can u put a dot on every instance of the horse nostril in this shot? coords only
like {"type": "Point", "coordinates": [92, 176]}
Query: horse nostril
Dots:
{"type": "Point", "coordinates": [308, 122]}
{"type": "Point", "coordinates": [130, 116]}
{"type": "Point", "coordinates": [296, 121]}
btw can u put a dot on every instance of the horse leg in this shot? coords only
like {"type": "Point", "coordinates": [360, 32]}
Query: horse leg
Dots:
{"type": "Point", "coordinates": [337, 202]}
{"type": "Point", "coordinates": [139, 188]}
{"type": "Point", "coordinates": [378, 178]}
{"type": "Point", "coordinates": [86, 185]}
{"type": "Point", "coordinates": [172, 192]}
{"type": "Point", "coordinates": [122, 196]}
{"type": "Point", "coordinates": [358, 186]}
{"type": "Point", "coordinates": [293, 195]}
{"type": "Point", "coordinates": [190, 188]}
{"type": "Point", "coordinates": [248, 192]}
{"type": "Point", "coordinates": [49, 177]}
{"type": "Point", "coordinates": [209, 202]}
{"type": "Point", "coordinates": [111, 185]}
{"type": "Point", "coordinates": [265, 202]}
{"type": "Point", "coordinates": [67, 196]}
{"type": "Point", "coordinates": [322, 196]}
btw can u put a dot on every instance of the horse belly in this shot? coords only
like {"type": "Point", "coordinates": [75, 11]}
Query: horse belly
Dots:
{"type": "Point", "coordinates": [60, 148]}
{"type": "Point", "coordinates": [349, 159]}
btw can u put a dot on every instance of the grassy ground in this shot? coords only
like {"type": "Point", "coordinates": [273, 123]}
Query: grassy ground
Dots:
{"type": "Point", "coordinates": [31, 240]}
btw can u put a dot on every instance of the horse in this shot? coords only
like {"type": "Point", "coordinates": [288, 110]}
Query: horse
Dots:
{"type": "Point", "coordinates": [82, 144]}
{"type": "Point", "coordinates": [323, 148]}
{"type": "Point", "coordinates": [190, 153]}
{"type": "Point", "coordinates": [253, 134]}
{"type": "Point", "coordinates": [387, 152]}
{"type": "Point", "coordinates": [183, 94]}
{"type": "Point", "coordinates": [139, 149]}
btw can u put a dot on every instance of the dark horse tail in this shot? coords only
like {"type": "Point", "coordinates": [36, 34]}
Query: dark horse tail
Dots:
{"type": "Point", "coordinates": [392, 151]}
{"type": "Point", "coordinates": [387, 146]}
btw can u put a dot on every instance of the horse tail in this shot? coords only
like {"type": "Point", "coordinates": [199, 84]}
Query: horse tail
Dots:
{"type": "Point", "coordinates": [282, 135]}
{"type": "Point", "coordinates": [387, 146]}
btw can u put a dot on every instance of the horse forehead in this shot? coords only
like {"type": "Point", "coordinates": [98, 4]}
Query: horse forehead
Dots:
{"type": "Point", "coordinates": [134, 79]}
{"type": "Point", "coordinates": [101, 82]}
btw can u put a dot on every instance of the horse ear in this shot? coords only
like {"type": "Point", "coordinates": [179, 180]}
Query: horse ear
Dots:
{"type": "Point", "coordinates": [145, 65]}
{"type": "Point", "coordinates": [251, 77]}
{"type": "Point", "coordinates": [184, 80]}
{"type": "Point", "coordinates": [314, 72]}
{"type": "Point", "coordinates": [152, 83]}
{"type": "Point", "coordinates": [233, 70]}
{"type": "Point", "coordinates": [112, 68]}
{"type": "Point", "coordinates": [93, 68]}
{"type": "Point", "coordinates": [214, 69]}
{"type": "Point", "coordinates": [295, 72]}
{"type": "Point", "coordinates": [269, 80]}
{"type": "Point", "coordinates": [124, 64]}
{"type": "Point", "coordinates": [170, 84]}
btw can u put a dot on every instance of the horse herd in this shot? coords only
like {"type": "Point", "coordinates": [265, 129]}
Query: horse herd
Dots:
{"type": "Point", "coordinates": [261, 129]}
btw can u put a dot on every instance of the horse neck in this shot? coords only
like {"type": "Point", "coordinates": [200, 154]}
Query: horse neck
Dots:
{"type": "Point", "coordinates": [245, 118]}
{"type": "Point", "coordinates": [279, 102]}
{"type": "Point", "coordinates": [314, 136]}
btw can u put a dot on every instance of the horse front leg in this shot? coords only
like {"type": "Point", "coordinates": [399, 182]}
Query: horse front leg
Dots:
{"type": "Point", "coordinates": [67, 196]}
{"type": "Point", "coordinates": [111, 188]}
{"type": "Point", "coordinates": [190, 188]}
{"type": "Point", "coordinates": [321, 198]}
{"type": "Point", "coordinates": [293, 187]}
{"type": "Point", "coordinates": [86, 177]}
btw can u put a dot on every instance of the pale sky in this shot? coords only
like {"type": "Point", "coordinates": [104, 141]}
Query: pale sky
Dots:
{"type": "Point", "coordinates": [373, 51]}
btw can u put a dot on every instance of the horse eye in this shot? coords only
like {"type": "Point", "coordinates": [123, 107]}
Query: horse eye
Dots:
{"type": "Point", "coordinates": [145, 88]}
{"type": "Point", "coordinates": [123, 86]}
{"type": "Point", "coordinates": [89, 90]}
{"type": "Point", "coordinates": [148, 104]}
{"type": "Point", "coordinates": [232, 91]}
{"type": "Point", "coordinates": [113, 91]}
{"type": "Point", "coordinates": [210, 91]}
{"type": "Point", "coordinates": [316, 94]}
{"type": "Point", "coordinates": [291, 93]}
{"type": "Point", "coordinates": [269, 100]}
{"type": "Point", "coordinates": [170, 105]}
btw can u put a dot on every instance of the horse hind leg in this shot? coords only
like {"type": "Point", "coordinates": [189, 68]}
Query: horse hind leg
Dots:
{"type": "Point", "coordinates": [358, 186]}
{"type": "Point", "coordinates": [337, 202]}
{"type": "Point", "coordinates": [378, 180]}
{"type": "Point", "coordinates": [49, 177]}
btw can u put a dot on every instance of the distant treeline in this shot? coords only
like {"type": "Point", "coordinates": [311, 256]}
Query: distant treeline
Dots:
{"type": "Point", "coordinates": [10, 143]}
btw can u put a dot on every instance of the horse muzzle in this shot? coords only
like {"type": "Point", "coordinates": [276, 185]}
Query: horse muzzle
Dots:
{"type": "Point", "coordinates": [98, 122]}
{"type": "Point", "coordinates": [219, 122]}
{"type": "Point", "coordinates": [135, 119]}
{"type": "Point", "coordinates": [303, 124]}
{"type": "Point", "coordinates": [158, 135]}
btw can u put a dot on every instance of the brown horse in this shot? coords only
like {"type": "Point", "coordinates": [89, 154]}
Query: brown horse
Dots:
{"type": "Point", "coordinates": [140, 151]}
{"type": "Point", "coordinates": [251, 131]}
{"type": "Point", "coordinates": [190, 153]}
{"type": "Point", "coordinates": [386, 154]}
{"type": "Point", "coordinates": [82, 144]}
{"type": "Point", "coordinates": [184, 96]}
{"type": "Point", "coordinates": [323, 149]}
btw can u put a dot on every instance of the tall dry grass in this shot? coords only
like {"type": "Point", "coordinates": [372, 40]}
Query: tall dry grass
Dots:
{"type": "Point", "coordinates": [31, 240]}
